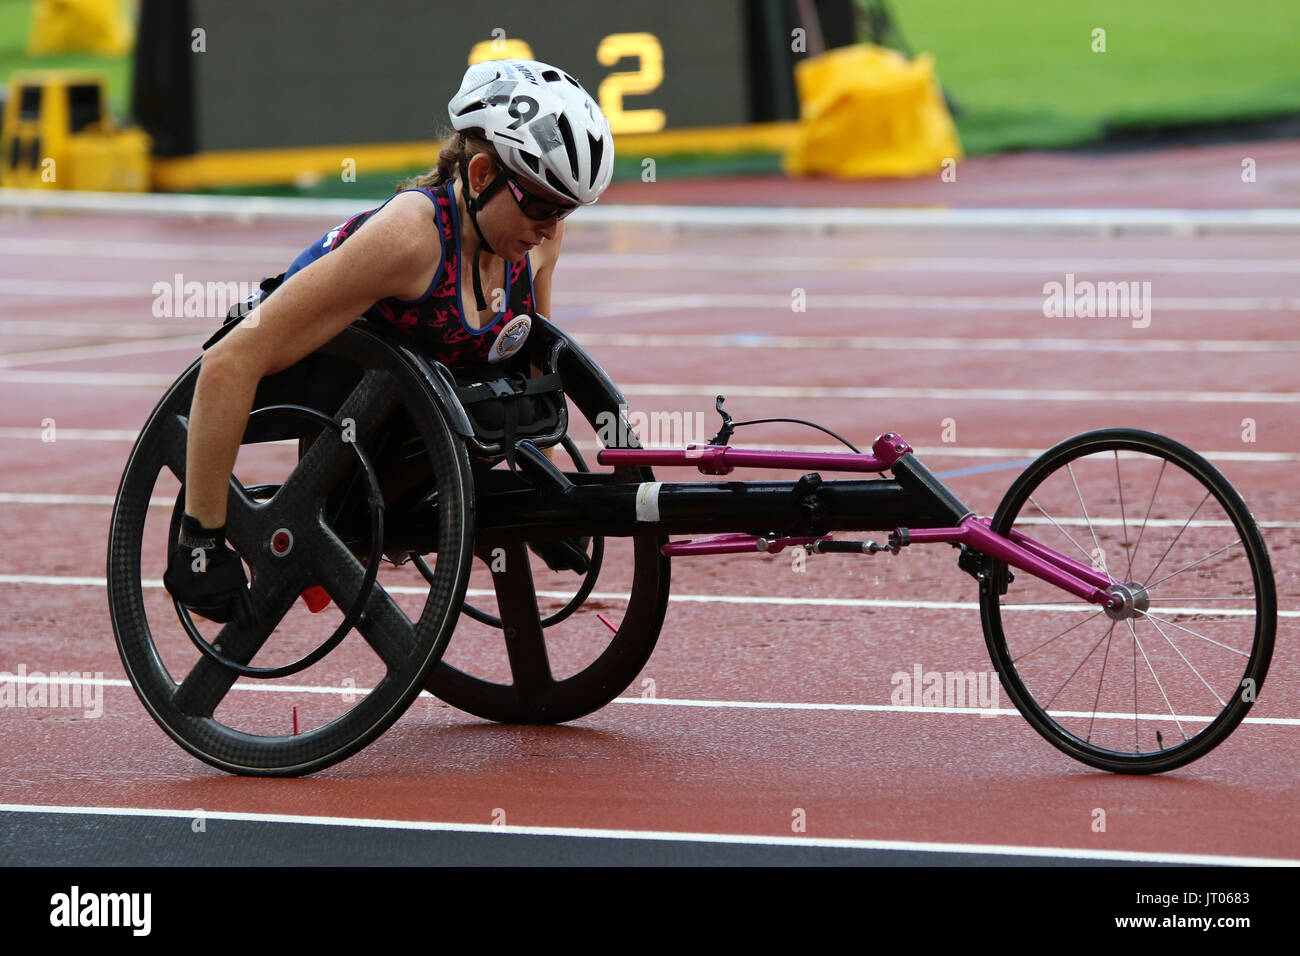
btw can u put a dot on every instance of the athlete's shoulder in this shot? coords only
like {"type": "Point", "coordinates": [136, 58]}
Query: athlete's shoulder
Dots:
{"type": "Point", "coordinates": [406, 228]}
{"type": "Point", "coordinates": [411, 207]}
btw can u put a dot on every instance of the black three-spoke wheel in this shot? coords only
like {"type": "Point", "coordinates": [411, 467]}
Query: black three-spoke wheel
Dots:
{"type": "Point", "coordinates": [567, 644]}
{"type": "Point", "coordinates": [1167, 675]}
{"type": "Point", "coordinates": [304, 528]}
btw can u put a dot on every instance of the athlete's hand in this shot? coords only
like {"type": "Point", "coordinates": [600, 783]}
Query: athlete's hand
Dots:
{"type": "Point", "coordinates": [206, 575]}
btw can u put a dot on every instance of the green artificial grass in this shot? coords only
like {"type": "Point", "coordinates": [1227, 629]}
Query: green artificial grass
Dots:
{"type": "Point", "coordinates": [1023, 73]}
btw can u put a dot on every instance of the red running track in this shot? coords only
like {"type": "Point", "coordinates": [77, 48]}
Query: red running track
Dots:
{"type": "Point", "coordinates": [935, 337]}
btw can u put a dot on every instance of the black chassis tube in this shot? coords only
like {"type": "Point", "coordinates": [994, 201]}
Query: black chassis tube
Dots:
{"type": "Point", "coordinates": [920, 481]}
{"type": "Point", "coordinates": [600, 505]}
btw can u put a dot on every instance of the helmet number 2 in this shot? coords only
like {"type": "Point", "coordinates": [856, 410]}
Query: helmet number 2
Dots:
{"type": "Point", "coordinates": [524, 110]}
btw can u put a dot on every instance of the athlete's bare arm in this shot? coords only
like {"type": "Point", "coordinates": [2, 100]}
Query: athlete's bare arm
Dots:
{"type": "Point", "coordinates": [395, 253]}
{"type": "Point", "coordinates": [543, 261]}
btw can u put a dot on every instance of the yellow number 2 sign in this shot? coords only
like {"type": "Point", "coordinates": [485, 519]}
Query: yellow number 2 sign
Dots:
{"type": "Point", "coordinates": [645, 47]}
{"type": "Point", "coordinates": [645, 79]}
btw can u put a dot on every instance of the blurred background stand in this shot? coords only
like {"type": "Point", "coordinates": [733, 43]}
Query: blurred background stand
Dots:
{"type": "Point", "coordinates": [79, 26]}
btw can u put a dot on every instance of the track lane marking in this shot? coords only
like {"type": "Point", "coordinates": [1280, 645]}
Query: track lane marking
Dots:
{"type": "Point", "coordinates": [922, 451]}
{"type": "Point", "coordinates": [760, 340]}
{"type": "Point", "coordinates": [656, 262]}
{"type": "Point", "coordinates": [765, 599]}
{"type": "Point", "coordinates": [55, 677]}
{"type": "Point", "coordinates": [641, 302]}
{"type": "Point", "coordinates": [747, 340]}
{"type": "Point", "coordinates": [786, 392]}
{"type": "Point", "coordinates": [38, 498]}
{"type": "Point", "coordinates": [1074, 853]}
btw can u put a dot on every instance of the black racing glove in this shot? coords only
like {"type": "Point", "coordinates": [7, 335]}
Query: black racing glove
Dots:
{"type": "Point", "coordinates": [563, 554]}
{"type": "Point", "coordinates": [206, 576]}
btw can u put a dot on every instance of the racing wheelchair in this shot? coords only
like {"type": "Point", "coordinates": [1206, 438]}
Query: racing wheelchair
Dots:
{"type": "Point", "coordinates": [1124, 588]}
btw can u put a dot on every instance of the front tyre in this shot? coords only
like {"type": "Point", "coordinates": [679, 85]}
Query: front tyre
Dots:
{"type": "Point", "coordinates": [1166, 679]}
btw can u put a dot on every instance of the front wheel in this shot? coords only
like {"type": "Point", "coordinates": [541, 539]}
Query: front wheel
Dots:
{"type": "Point", "coordinates": [1166, 678]}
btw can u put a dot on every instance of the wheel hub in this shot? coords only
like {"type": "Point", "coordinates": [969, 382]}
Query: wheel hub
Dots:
{"type": "Point", "coordinates": [281, 542]}
{"type": "Point", "coordinates": [1127, 600]}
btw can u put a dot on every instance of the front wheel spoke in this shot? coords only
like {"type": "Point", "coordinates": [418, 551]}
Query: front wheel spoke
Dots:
{"type": "Point", "coordinates": [1077, 668]}
{"type": "Point", "coordinates": [1059, 528]}
{"type": "Point", "coordinates": [1190, 665]}
{"type": "Point", "coordinates": [1069, 467]}
{"type": "Point", "coordinates": [1162, 620]}
{"type": "Point", "coordinates": [1179, 534]}
{"type": "Point", "coordinates": [1147, 517]}
{"type": "Point", "coordinates": [1101, 679]}
{"type": "Point", "coordinates": [1123, 519]}
{"type": "Point", "coordinates": [1021, 657]}
{"type": "Point", "coordinates": [1133, 634]}
{"type": "Point", "coordinates": [1188, 567]}
{"type": "Point", "coordinates": [1159, 686]}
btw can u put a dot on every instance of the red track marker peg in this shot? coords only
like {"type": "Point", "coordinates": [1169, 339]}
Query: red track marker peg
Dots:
{"type": "Point", "coordinates": [295, 721]}
{"type": "Point", "coordinates": [317, 598]}
{"type": "Point", "coordinates": [606, 622]}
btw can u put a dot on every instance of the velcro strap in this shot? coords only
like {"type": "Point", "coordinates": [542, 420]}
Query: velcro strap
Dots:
{"type": "Point", "coordinates": [507, 386]}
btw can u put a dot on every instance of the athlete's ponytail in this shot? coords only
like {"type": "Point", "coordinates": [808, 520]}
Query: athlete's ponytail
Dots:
{"type": "Point", "coordinates": [456, 147]}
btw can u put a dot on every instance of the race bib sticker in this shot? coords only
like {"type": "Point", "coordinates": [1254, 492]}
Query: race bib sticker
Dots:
{"type": "Point", "coordinates": [647, 501]}
{"type": "Point", "coordinates": [511, 338]}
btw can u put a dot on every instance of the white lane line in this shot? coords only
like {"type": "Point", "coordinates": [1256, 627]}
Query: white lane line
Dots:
{"type": "Point", "coordinates": [54, 678]}
{"type": "Point", "coordinates": [605, 305]}
{"type": "Point", "coordinates": [76, 288]}
{"type": "Point", "coordinates": [103, 329]}
{"type": "Point", "coordinates": [165, 251]}
{"type": "Point", "coordinates": [962, 394]}
{"type": "Point", "coordinates": [1135, 268]}
{"type": "Point", "coordinates": [850, 303]}
{"type": "Point", "coordinates": [760, 340]}
{"type": "Point", "coordinates": [752, 599]}
{"type": "Point", "coordinates": [40, 498]}
{"type": "Point", "coordinates": [183, 342]}
{"type": "Point", "coordinates": [922, 451]}
{"type": "Point", "coordinates": [247, 209]}
{"type": "Point", "coordinates": [744, 340]}
{"type": "Point", "coordinates": [901, 846]}
{"type": "Point", "coordinates": [72, 434]}
{"type": "Point", "coordinates": [25, 498]}
{"type": "Point", "coordinates": [146, 380]}
{"type": "Point", "coordinates": [660, 262]}
{"type": "Point", "coordinates": [88, 379]}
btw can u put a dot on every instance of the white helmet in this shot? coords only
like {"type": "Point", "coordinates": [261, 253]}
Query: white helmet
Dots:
{"type": "Point", "coordinates": [543, 124]}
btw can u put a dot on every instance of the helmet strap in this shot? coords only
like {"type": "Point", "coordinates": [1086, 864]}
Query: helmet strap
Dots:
{"type": "Point", "coordinates": [472, 205]}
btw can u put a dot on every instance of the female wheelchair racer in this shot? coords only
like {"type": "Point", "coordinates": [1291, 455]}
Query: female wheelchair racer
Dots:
{"type": "Point", "coordinates": [523, 128]}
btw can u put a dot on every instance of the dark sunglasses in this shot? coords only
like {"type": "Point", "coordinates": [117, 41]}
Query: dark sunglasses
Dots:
{"type": "Point", "coordinates": [536, 208]}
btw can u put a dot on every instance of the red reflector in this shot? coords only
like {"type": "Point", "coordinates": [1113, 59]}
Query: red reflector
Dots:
{"type": "Point", "coordinates": [317, 598]}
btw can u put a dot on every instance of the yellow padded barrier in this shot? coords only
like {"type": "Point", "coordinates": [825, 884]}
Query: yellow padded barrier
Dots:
{"type": "Point", "coordinates": [79, 26]}
{"type": "Point", "coordinates": [868, 111]}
